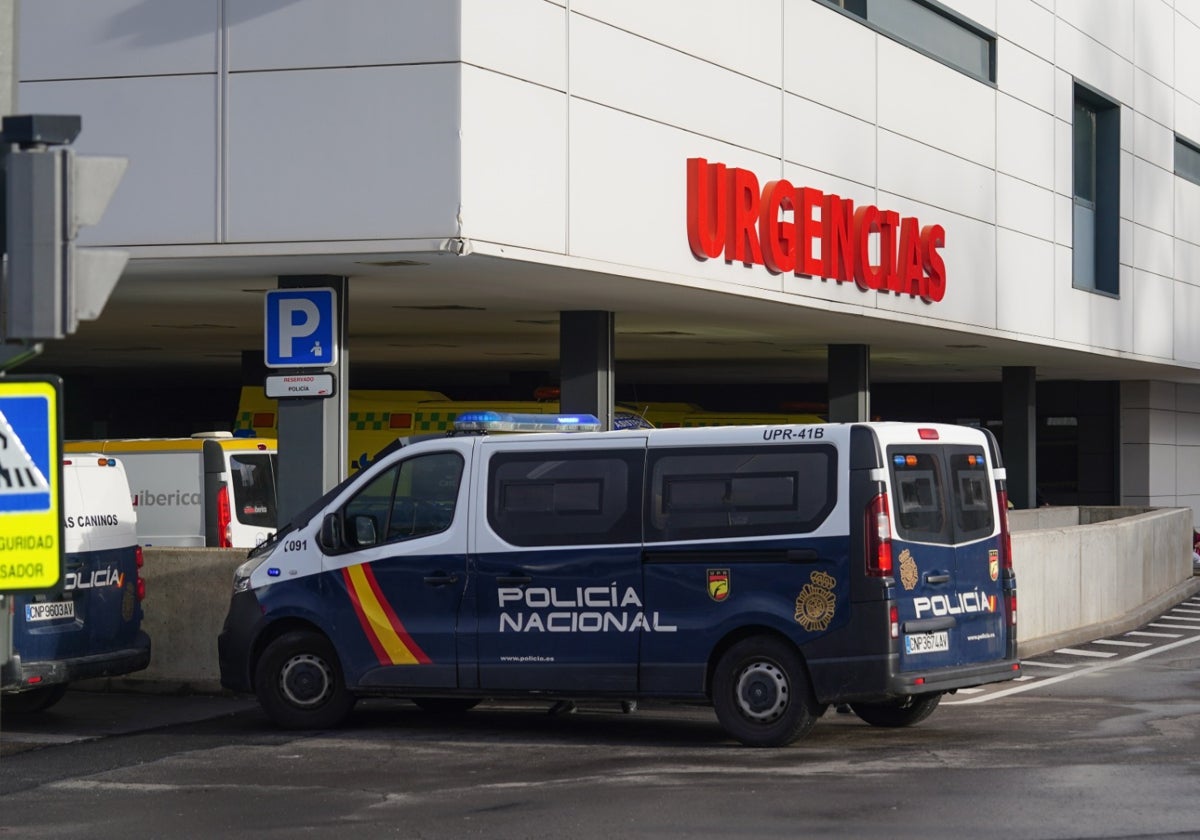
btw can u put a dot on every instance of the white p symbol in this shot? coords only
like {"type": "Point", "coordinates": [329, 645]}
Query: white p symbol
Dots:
{"type": "Point", "coordinates": [290, 328]}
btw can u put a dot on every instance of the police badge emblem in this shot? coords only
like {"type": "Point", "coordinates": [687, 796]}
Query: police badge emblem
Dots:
{"type": "Point", "coordinates": [718, 584]}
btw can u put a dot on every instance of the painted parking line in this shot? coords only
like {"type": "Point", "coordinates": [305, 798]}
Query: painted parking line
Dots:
{"type": "Point", "coordinates": [1168, 626]}
{"type": "Point", "coordinates": [1180, 622]}
{"type": "Point", "coordinates": [1041, 664]}
{"type": "Point", "coordinates": [1095, 654]}
{"type": "Point", "coordinates": [1155, 635]}
{"type": "Point", "coordinates": [1119, 643]}
{"type": "Point", "coordinates": [1077, 672]}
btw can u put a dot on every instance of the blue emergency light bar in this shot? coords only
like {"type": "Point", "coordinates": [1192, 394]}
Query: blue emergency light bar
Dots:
{"type": "Point", "coordinates": [503, 421]}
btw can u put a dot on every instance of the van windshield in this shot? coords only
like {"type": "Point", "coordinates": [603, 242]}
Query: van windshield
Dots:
{"type": "Point", "coordinates": [254, 487]}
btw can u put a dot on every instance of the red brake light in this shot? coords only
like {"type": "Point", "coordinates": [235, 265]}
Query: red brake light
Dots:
{"type": "Point", "coordinates": [141, 558]}
{"type": "Point", "coordinates": [928, 434]}
{"type": "Point", "coordinates": [878, 528]}
{"type": "Point", "coordinates": [894, 621]}
{"type": "Point", "coordinates": [141, 589]}
{"type": "Point", "coordinates": [1005, 535]}
{"type": "Point", "coordinates": [224, 519]}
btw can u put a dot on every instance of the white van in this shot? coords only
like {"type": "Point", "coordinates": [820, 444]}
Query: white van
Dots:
{"type": "Point", "coordinates": [769, 571]}
{"type": "Point", "coordinates": [211, 489]}
{"type": "Point", "coordinates": [90, 625]}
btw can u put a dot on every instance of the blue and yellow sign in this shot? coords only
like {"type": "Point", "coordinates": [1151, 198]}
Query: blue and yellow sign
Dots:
{"type": "Point", "coordinates": [30, 483]}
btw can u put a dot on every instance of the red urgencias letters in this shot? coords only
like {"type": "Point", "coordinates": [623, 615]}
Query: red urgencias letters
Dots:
{"type": "Point", "coordinates": [728, 214]}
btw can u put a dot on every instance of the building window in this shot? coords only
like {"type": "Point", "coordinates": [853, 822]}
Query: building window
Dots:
{"type": "Point", "coordinates": [1187, 160]}
{"type": "Point", "coordinates": [929, 28]}
{"type": "Point", "coordinates": [1096, 162]}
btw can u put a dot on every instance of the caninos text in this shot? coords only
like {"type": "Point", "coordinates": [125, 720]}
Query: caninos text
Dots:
{"type": "Point", "coordinates": [728, 214]}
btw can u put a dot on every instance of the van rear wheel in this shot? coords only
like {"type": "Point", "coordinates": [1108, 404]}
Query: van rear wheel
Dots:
{"type": "Point", "coordinates": [894, 713]}
{"type": "Point", "coordinates": [761, 693]}
{"type": "Point", "coordinates": [299, 682]}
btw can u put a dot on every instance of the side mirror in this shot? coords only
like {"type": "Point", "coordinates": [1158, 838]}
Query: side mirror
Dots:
{"type": "Point", "coordinates": [331, 533]}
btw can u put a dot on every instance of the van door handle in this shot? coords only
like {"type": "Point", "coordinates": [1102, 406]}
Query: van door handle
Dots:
{"type": "Point", "coordinates": [441, 579]}
{"type": "Point", "coordinates": [941, 577]}
{"type": "Point", "coordinates": [514, 580]}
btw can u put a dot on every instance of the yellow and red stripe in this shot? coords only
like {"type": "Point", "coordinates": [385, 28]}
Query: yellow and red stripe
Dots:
{"type": "Point", "coordinates": [379, 621]}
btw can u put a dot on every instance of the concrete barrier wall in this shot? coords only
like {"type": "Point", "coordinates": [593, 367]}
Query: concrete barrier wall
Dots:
{"type": "Point", "coordinates": [1074, 583]}
{"type": "Point", "coordinates": [1114, 571]}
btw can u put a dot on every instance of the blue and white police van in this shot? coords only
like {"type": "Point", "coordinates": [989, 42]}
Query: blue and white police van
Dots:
{"type": "Point", "coordinates": [767, 570]}
{"type": "Point", "coordinates": [90, 625]}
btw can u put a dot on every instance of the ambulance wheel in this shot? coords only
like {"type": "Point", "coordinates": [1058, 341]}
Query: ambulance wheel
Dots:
{"type": "Point", "coordinates": [903, 712]}
{"type": "Point", "coordinates": [33, 700]}
{"type": "Point", "coordinates": [446, 705]}
{"type": "Point", "coordinates": [299, 682]}
{"type": "Point", "coordinates": [761, 693]}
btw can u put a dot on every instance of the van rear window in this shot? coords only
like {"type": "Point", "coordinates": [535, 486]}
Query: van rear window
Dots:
{"type": "Point", "coordinates": [920, 504]}
{"type": "Point", "coordinates": [929, 481]}
{"type": "Point", "coordinates": [973, 515]}
{"type": "Point", "coordinates": [743, 492]}
{"type": "Point", "coordinates": [254, 488]}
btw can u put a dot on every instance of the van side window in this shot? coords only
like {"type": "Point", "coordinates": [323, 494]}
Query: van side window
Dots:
{"type": "Point", "coordinates": [565, 498]}
{"type": "Point", "coordinates": [742, 492]}
{"type": "Point", "coordinates": [973, 495]}
{"type": "Point", "coordinates": [920, 505]}
{"type": "Point", "coordinates": [412, 499]}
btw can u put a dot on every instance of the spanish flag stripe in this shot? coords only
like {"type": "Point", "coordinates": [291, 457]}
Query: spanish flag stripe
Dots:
{"type": "Point", "coordinates": [378, 620]}
{"type": "Point", "coordinates": [380, 653]}
{"type": "Point", "coordinates": [394, 622]}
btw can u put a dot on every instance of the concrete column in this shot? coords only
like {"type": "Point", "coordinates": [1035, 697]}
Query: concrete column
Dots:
{"type": "Point", "coordinates": [1019, 410]}
{"type": "Point", "coordinates": [585, 351]}
{"type": "Point", "coordinates": [312, 432]}
{"type": "Point", "coordinates": [849, 375]}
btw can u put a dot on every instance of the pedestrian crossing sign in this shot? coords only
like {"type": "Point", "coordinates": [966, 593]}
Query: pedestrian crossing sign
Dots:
{"type": "Point", "coordinates": [30, 483]}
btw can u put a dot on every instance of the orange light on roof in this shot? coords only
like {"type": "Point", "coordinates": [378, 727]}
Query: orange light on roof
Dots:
{"type": "Point", "coordinates": [928, 434]}
{"type": "Point", "coordinates": [910, 460]}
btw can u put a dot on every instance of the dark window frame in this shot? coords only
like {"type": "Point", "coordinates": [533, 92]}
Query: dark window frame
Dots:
{"type": "Point", "coordinates": [1190, 170]}
{"type": "Point", "coordinates": [1103, 175]}
{"type": "Point", "coordinates": [859, 10]}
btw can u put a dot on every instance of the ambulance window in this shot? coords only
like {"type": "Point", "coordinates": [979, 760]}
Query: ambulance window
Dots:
{"type": "Point", "coordinates": [973, 495]}
{"type": "Point", "coordinates": [719, 493]}
{"type": "Point", "coordinates": [414, 498]}
{"type": "Point", "coordinates": [254, 488]}
{"type": "Point", "coordinates": [920, 511]}
{"type": "Point", "coordinates": [565, 498]}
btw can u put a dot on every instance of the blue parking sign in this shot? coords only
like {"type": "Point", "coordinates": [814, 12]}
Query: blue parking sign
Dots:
{"type": "Point", "coordinates": [300, 328]}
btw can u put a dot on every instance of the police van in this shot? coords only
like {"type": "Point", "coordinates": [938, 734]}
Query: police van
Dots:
{"type": "Point", "coordinates": [211, 489]}
{"type": "Point", "coordinates": [769, 571]}
{"type": "Point", "coordinates": [90, 625]}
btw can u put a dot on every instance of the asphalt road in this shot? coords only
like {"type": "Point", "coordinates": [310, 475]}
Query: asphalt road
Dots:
{"type": "Point", "coordinates": [1097, 741]}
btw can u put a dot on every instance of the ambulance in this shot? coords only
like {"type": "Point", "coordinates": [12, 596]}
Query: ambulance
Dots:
{"type": "Point", "coordinates": [378, 417]}
{"type": "Point", "coordinates": [211, 489]}
{"type": "Point", "coordinates": [769, 571]}
{"type": "Point", "coordinates": [90, 626]}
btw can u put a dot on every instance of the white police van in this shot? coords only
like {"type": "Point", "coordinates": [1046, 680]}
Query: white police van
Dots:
{"type": "Point", "coordinates": [90, 625]}
{"type": "Point", "coordinates": [768, 570]}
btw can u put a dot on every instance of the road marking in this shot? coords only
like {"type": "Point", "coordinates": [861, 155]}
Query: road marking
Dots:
{"type": "Point", "coordinates": [1188, 612]}
{"type": "Point", "coordinates": [1120, 643]}
{"type": "Point", "coordinates": [1181, 623]}
{"type": "Point", "coordinates": [1095, 654]}
{"type": "Point", "coordinates": [1155, 635]}
{"type": "Point", "coordinates": [1046, 664]}
{"type": "Point", "coordinates": [1078, 672]}
{"type": "Point", "coordinates": [1167, 626]}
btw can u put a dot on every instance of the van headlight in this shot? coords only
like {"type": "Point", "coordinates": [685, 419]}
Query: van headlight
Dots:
{"type": "Point", "coordinates": [241, 575]}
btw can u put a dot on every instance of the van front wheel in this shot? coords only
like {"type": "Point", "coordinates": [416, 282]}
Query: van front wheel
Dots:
{"type": "Point", "coordinates": [299, 682]}
{"type": "Point", "coordinates": [761, 693]}
{"type": "Point", "coordinates": [903, 712]}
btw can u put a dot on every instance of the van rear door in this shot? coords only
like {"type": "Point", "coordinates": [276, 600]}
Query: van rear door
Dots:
{"type": "Point", "coordinates": [946, 555]}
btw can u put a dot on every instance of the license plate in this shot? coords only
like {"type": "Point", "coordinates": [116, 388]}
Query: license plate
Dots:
{"type": "Point", "coordinates": [49, 610]}
{"type": "Point", "coordinates": [927, 642]}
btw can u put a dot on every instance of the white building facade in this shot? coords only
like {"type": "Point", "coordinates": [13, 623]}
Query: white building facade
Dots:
{"type": "Point", "coordinates": [1030, 167]}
